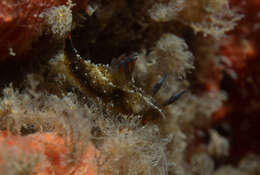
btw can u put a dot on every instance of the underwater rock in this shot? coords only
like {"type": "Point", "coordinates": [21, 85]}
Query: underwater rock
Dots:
{"type": "Point", "coordinates": [23, 22]}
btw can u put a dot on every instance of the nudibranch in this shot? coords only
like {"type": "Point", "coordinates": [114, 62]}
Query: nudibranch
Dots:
{"type": "Point", "coordinates": [112, 85]}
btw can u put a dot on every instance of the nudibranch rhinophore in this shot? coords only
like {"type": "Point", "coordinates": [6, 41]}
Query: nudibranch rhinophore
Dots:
{"type": "Point", "coordinates": [111, 85]}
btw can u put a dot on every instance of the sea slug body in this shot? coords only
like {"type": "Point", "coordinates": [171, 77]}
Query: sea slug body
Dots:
{"type": "Point", "coordinates": [120, 95]}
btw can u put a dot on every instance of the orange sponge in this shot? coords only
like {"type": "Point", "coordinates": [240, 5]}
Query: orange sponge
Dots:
{"type": "Point", "coordinates": [52, 149]}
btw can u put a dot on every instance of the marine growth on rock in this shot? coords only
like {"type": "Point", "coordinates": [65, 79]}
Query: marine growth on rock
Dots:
{"type": "Point", "coordinates": [120, 87]}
